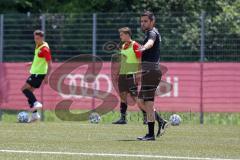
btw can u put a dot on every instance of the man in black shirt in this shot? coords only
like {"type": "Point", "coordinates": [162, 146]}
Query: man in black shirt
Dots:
{"type": "Point", "coordinates": [151, 75]}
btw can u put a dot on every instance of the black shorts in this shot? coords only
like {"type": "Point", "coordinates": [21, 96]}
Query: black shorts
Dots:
{"type": "Point", "coordinates": [150, 81]}
{"type": "Point", "coordinates": [126, 83]}
{"type": "Point", "coordinates": [35, 80]}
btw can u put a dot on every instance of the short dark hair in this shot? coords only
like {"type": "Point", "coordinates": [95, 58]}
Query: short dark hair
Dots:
{"type": "Point", "coordinates": [125, 30]}
{"type": "Point", "coordinates": [39, 33]}
{"type": "Point", "coordinates": [149, 14]}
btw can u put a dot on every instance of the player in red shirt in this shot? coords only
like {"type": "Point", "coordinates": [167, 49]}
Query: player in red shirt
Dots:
{"type": "Point", "coordinates": [130, 62]}
{"type": "Point", "coordinates": [40, 70]}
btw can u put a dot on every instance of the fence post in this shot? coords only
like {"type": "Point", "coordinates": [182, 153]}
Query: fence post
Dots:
{"type": "Point", "coordinates": [94, 47]}
{"type": "Point", "coordinates": [202, 57]}
{"type": "Point", "coordinates": [1, 50]}
{"type": "Point", "coordinates": [1, 38]}
{"type": "Point", "coordinates": [43, 28]}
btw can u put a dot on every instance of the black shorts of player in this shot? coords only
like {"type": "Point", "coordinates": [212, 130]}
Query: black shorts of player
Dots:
{"type": "Point", "coordinates": [35, 80]}
{"type": "Point", "coordinates": [126, 83]}
{"type": "Point", "coordinates": [150, 81]}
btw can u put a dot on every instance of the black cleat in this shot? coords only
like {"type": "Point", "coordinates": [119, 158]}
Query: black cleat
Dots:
{"type": "Point", "coordinates": [147, 137]}
{"type": "Point", "coordinates": [120, 121]}
{"type": "Point", "coordinates": [162, 128]}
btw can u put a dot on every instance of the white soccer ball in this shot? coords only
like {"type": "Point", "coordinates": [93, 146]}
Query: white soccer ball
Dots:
{"type": "Point", "coordinates": [23, 117]}
{"type": "Point", "coordinates": [94, 117]}
{"type": "Point", "coordinates": [175, 120]}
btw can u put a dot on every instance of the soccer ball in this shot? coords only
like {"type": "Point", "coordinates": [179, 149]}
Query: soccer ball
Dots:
{"type": "Point", "coordinates": [94, 117]}
{"type": "Point", "coordinates": [22, 117]}
{"type": "Point", "coordinates": [175, 120]}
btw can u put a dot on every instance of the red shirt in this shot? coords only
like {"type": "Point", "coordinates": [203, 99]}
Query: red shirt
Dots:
{"type": "Point", "coordinates": [136, 46]}
{"type": "Point", "coordinates": [45, 53]}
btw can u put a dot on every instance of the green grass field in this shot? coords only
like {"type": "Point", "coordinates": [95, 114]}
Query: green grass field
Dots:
{"type": "Point", "coordinates": [104, 141]}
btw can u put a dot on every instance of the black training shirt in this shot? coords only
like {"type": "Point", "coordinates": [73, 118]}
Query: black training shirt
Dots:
{"type": "Point", "coordinates": [152, 54]}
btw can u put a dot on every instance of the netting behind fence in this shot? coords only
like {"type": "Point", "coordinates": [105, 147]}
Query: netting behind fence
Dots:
{"type": "Point", "coordinates": [73, 34]}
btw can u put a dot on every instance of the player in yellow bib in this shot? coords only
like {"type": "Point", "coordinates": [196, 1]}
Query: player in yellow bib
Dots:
{"type": "Point", "coordinates": [130, 60]}
{"type": "Point", "coordinates": [40, 70]}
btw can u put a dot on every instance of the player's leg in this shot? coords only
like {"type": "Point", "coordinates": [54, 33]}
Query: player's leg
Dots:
{"type": "Point", "coordinates": [28, 90]}
{"type": "Point", "coordinates": [144, 117]}
{"type": "Point", "coordinates": [146, 103]}
{"type": "Point", "coordinates": [123, 109]}
{"type": "Point", "coordinates": [123, 88]}
{"type": "Point", "coordinates": [153, 116]}
{"type": "Point", "coordinates": [162, 124]}
{"type": "Point", "coordinates": [33, 82]}
{"type": "Point", "coordinates": [150, 82]}
{"type": "Point", "coordinates": [150, 120]}
{"type": "Point", "coordinates": [133, 90]}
